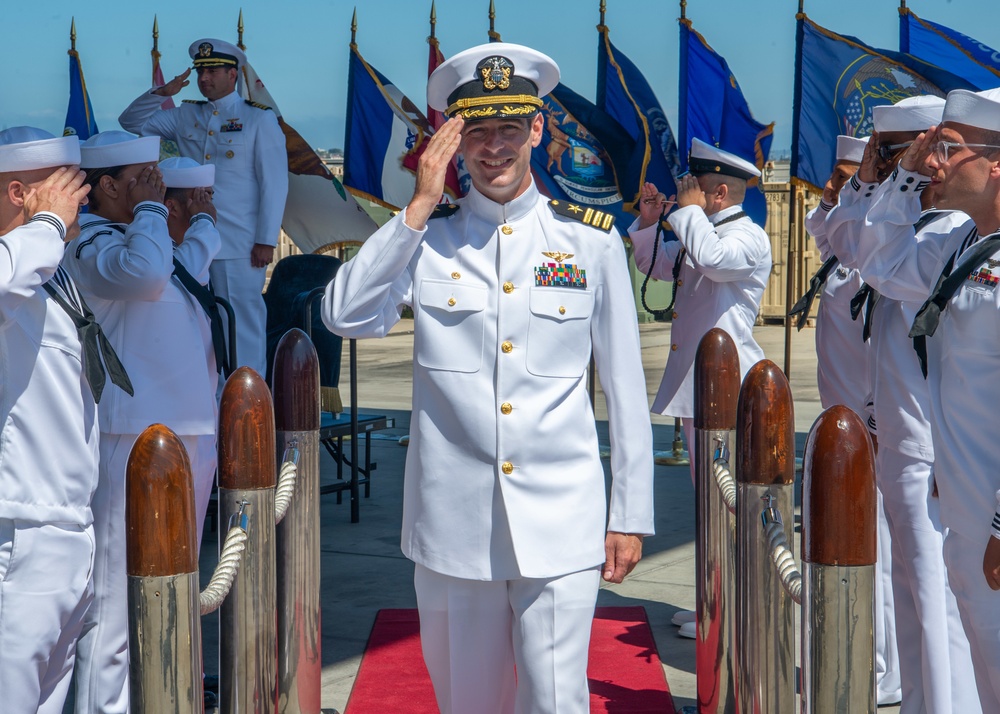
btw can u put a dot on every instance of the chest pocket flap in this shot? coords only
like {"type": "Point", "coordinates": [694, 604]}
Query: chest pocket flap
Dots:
{"type": "Point", "coordinates": [450, 325]}
{"type": "Point", "coordinates": [559, 331]}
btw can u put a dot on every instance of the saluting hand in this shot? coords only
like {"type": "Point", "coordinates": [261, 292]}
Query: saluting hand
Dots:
{"type": "Point", "coordinates": [201, 202]}
{"type": "Point", "coordinates": [174, 85]}
{"type": "Point", "coordinates": [868, 170]}
{"type": "Point", "coordinates": [62, 193]}
{"type": "Point", "coordinates": [432, 169]}
{"type": "Point", "coordinates": [689, 192]}
{"type": "Point", "coordinates": [147, 187]}
{"type": "Point", "coordinates": [916, 156]}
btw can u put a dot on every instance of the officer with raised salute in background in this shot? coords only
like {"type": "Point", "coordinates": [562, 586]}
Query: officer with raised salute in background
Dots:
{"type": "Point", "coordinates": [245, 143]}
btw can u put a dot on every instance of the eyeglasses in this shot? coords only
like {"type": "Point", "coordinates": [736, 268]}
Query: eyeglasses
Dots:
{"type": "Point", "coordinates": [942, 148]}
{"type": "Point", "coordinates": [886, 152]}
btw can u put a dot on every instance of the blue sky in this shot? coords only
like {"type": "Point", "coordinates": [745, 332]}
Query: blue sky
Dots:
{"type": "Point", "coordinates": [300, 47]}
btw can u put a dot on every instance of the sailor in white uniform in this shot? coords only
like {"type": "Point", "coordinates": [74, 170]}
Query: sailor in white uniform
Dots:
{"type": "Point", "coordinates": [957, 159]}
{"type": "Point", "coordinates": [191, 224]}
{"type": "Point", "coordinates": [504, 511]}
{"type": "Point", "coordinates": [48, 446]}
{"type": "Point", "coordinates": [841, 352]}
{"type": "Point", "coordinates": [247, 147]}
{"type": "Point", "coordinates": [123, 263]}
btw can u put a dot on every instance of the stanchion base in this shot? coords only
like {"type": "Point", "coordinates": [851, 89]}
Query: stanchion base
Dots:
{"type": "Point", "coordinates": [404, 440]}
{"type": "Point", "coordinates": [671, 458]}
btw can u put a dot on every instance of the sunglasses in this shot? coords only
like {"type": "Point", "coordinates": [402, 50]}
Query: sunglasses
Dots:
{"type": "Point", "coordinates": [886, 152]}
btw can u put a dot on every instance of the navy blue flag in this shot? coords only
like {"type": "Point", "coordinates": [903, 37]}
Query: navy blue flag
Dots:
{"type": "Point", "coordinates": [581, 153]}
{"type": "Point", "coordinates": [838, 81]}
{"type": "Point", "coordinates": [949, 49]}
{"type": "Point", "coordinates": [712, 108]}
{"type": "Point", "coordinates": [383, 128]}
{"type": "Point", "coordinates": [625, 95]}
{"type": "Point", "coordinates": [80, 114]}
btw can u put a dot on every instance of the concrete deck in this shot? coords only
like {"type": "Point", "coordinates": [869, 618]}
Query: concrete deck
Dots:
{"type": "Point", "coordinates": [364, 570]}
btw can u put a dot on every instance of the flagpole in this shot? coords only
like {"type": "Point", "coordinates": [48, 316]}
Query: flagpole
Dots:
{"type": "Point", "coordinates": [72, 35]}
{"type": "Point", "coordinates": [792, 255]}
{"type": "Point", "coordinates": [493, 34]}
{"type": "Point", "coordinates": [354, 29]}
{"type": "Point", "coordinates": [904, 28]}
{"type": "Point", "coordinates": [684, 142]}
{"type": "Point", "coordinates": [239, 32]}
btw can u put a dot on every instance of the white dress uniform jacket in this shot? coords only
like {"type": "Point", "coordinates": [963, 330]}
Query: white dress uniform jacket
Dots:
{"type": "Point", "coordinates": [48, 449]}
{"type": "Point", "coordinates": [720, 284]}
{"type": "Point", "coordinates": [125, 274]}
{"type": "Point", "coordinates": [842, 373]}
{"type": "Point", "coordinates": [503, 478]}
{"type": "Point", "coordinates": [246, 145]}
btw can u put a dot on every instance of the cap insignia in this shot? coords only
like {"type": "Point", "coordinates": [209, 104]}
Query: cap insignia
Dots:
{"type": "Point", "coordinates": [495, 72]}
{"type": "Point", "coordinates": [205, 49]}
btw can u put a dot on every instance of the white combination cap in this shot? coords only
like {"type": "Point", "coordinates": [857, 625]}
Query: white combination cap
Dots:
{"type": "Point", "coordinates": [850, 148]}
{"type": "Point", "coordinates": [978, 109]}
{"type": "Point", "coordinates": [25, 148]}
{"type": "Point", "coordinates": [209, 52]}
{"type": "Point", "coordinates": [497, 80]}
{"type": "Point", "coordinates": [118, 148]}
{"type": "Point", "coordinates": [910, 114]}
{"type": "Point", "coordinates": [184, 172]}
{"type": "Point", "coordinates": [707, 159]}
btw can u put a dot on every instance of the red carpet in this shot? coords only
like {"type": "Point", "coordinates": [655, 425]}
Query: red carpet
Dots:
{"type": "Point", "coordinates": [625, 672]}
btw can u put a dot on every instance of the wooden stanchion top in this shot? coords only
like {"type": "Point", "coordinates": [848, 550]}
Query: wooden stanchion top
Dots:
{"type": "Point", "coordinates": [159, 506]}
{"type": "Point", "coordinates": [296, 383]}
{"type": "Point", "coordinates": [838, 491]}
{"type": "Point", "coordinates": [716, 381]}
{"type": "Point", "coordinates": [765, 428]}
{"type": "Point", "coordinates": [247, 459]}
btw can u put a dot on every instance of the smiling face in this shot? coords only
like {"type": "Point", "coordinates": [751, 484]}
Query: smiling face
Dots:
{"type": "Point", "coordinates": [498, 155]}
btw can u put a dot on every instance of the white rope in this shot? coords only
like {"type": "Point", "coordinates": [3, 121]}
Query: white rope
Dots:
{"type": "Point", "coordinates": [286, 482]}
{"type": "Point", "coordinates": [726, 482]}
{"type": "Point", "coordinates": [229, 564]}
{"type": "Point", "coordinates": [784, 561]}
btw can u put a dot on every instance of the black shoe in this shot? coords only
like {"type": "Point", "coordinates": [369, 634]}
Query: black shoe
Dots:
{"type": "Point", "coordinates": [211, 702]}
{"type": "Point", "coordinates": [210, 683]}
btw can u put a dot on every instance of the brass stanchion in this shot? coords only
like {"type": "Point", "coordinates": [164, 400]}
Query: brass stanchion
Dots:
{"type": "Point", "coordinates": [677, 456]}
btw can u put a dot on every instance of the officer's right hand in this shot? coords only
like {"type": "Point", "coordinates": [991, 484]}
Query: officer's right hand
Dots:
{"type": "Point", "coordinates": [147, 187]}
{"type": "Point", "coordinates": [432, 170]}
{"type": "Point", "coordinates": [62, 193]}
{"type": "Point", "coordinates": [174, 85]}
{"type": "Point", "coordinates": [651, 205]}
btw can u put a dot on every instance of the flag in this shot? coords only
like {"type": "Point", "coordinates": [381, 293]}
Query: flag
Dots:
{"type": "Point", "coordinates": [319, 213]}
{"type": "Point", "coordinates": [838, 79]}
{"type": "Point", "coordinates": [713, 109]}
{"type": "Point", "coordinates": [625, 95]}
{"type": "Point", "coordinates": [383, 127]}
{"type": "Point", "coordinates": [168, 148]}
{"type": "Point", "coordinates": [950, 50]}
{"type": "Point", "coordinates": [572, 162]}
{"type": "Point", "coordinates": [80, 114]}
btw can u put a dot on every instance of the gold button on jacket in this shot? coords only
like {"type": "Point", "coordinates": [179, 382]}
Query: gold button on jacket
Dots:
{"type": "Point", "coordinates": [506, 408]}
{"type": "Point", "coordinates": [508, 287]}
{"type": "Point", "coordinates": [507, 467]}
{"type": "Point", "coordinates": [507, 347]}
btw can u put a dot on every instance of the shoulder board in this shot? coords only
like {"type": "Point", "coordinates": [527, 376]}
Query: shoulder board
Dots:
{"type": "Point", "coordinates": [445, 210]}
{"type": "Point", "coordinates": [256, 104]}
{"type": "Point", "coordinates": [598, 219]}
{"type": "Point", "coordinates": [194, 101]}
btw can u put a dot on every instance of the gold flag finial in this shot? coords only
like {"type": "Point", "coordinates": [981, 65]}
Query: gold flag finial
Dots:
{"type": "Point", "coordinates": [434, 19]}
{"type": "Point", "coordinates": [604, 9]}
{"type": "Point", "coordinates": [72, 35]}
{"type": "Point", "coordinates": [156, 34]}
{"type": "Point", "coordinates": [902, 4]}
{"type": "Point", "coordinates": [239, 32]}
{"type": "Point", "coordinates": [684, 6]}
{"type": "Point", "coordinates": [354, 28]}
{"type": "Point", "coordinates": [493, 34]}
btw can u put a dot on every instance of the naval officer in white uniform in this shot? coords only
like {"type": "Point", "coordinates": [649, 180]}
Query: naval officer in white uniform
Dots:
{"type": "Point", "coordinates": [123, 264]}
{"type": "Point", "coordinates": [48, 446]}
{"type": "Point", "coordinates": [959, 160]}
{"type": "Point", "coordinates": [933, 653]}
{"type": "Point", "coordinates": [245, 143]}
{"type": "Point", "coordinates": [504, 511]}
